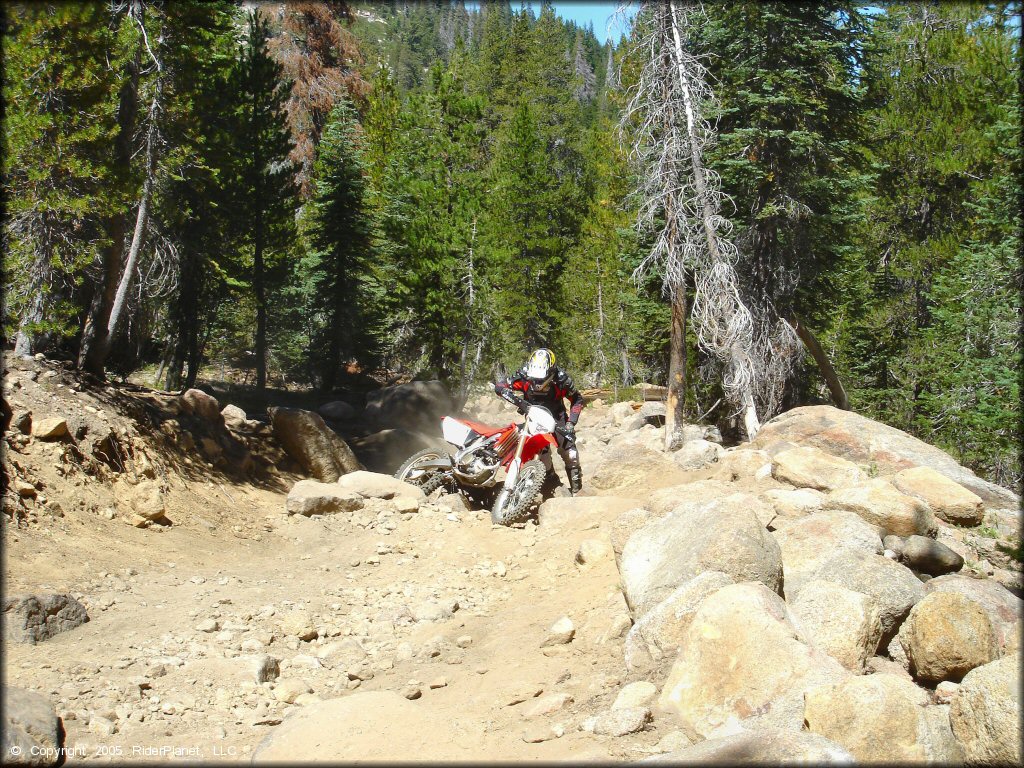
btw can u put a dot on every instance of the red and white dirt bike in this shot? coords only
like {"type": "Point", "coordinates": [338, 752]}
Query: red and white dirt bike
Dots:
{"type": "Point", "coordinates": [481, 452]}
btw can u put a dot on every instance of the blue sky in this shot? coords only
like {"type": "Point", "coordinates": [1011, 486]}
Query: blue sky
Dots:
{"type": "Point", "coordinates": [599, 14]}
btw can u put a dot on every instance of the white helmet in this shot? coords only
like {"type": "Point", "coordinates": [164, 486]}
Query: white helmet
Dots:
{"type": "Point", "coordinates": [540, 368]}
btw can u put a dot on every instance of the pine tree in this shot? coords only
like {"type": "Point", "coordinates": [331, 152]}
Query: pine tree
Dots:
{"type": "Point", "coordinates": [68, 135]}
{"type": "Point", "coordinates": [927, 312]}
{"type": "Point", "coordinates": [337, 225]}
{"type": "Point", "coordinates": [430, 198]}
{"type": "Point", "coordinates": [191, 218]}
{"type": "Point", "coordinates": [524, 247]}
{"type": "Point", "coordinates": [788, 156]}
{"type": "Point", "coordinates": [264, 177]}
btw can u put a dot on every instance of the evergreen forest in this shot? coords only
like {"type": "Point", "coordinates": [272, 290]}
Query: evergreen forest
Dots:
{"type": "Point", "coordinates": [330, 195]}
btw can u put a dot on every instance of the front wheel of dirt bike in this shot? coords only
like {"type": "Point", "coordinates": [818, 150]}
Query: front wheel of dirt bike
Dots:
{"type": "Point", "coordinates": [428, 479]}
{"type": "Point", "coordinates": [513, 505]}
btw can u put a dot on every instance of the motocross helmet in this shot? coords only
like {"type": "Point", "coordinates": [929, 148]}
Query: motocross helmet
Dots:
{"type": "Point", "coordinates": [540, 369]}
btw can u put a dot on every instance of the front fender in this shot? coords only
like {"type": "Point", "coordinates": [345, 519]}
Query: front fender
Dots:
{"type": "Point", "coordinates": [536, 444]}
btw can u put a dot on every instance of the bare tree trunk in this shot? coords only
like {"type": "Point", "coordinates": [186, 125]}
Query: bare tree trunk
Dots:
{"type": "Point", "coordinates": [103, 299]}
{"type": "Point", "coordinates": [26, 341]}
{"type": "Point", "coordinates": [674, 419]}
{"type": "Point", "coordinates": [117, 312]}
{"type": "Point", "coordinates": [835, 386]}
{"type": "Point", "coordinates": [107, 314]}
{"type": "Point", "coordinates": [261, 308]}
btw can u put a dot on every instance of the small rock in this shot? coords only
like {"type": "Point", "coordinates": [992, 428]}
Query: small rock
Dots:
{"type": "Point", "coordinates": [438, 682]}
{"type": "Point", "coordinates": [405, 504]}
{"type": "Point", "coordinates": [101, 726]}
{"type": "Point", "coordinates": [412, 692]}
{"type": "Point", "coordinates": [524, 694]}
{"type": "Point", "coordinates": [208, 625]}
{"type": "Point", "coordinates": [546, 705]}
{"type": "Point", "coordinates": [298, 624]}
{"type": "Point", "coordinates": [929, 556]}
{"type": "Point", "coordinates": [50, 429]}
{"type": "Point", "coordinates": [267, 669]}
{"type": "Point", "coordinates": [434, 611]}
{"type": "Point", "coordinates": [288, 690]}
{"type": "Point", "coordinates": [634, 695]}
{"type": "Point", "coordinates": [672, 741]}
{"type": "Point", "coordinates": [620, 722]}
{"type": "Point", "coordinates": [592, 551]}
{"type": "Point", "coordinates": [464, 641]}
{"type": "Point", "coordinates": [539, 733]}
{"type": "Point", "coordinates": [560, 633]}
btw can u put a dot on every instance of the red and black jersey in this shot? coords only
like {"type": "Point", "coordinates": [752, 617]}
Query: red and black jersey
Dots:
{"type": "Point", "coordinates": [552, 394]}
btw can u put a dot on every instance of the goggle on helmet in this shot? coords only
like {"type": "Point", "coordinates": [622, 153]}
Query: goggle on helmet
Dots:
{"type": "Point", "coordinates": [540, 368]}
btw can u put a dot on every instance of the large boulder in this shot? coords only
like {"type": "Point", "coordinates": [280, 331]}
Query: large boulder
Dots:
{"type": "Point", "coordinates": [861, 440]}
{"type": "Point", "coordinates": [580, 512]}
{"type": "Point", "coordinates": [33, 734]}
{"type": "Point", "coordinates": [311, 497]}
{"type": "Point", "coordinates": [379, 724]}
{"type": "Point", "coordinates": [742, 657]}
{"type": "Point", "coordinates": [373, 485]}
{"type": "Point", "coordinates": [662, 630]}
{"type": "Point", "coordinates": [879, 503]}
{"type": "Point", "coordinates": [771, 746]}
{"type": "Point", "coordinates": [308, 440]}
{"type": "Point", "coordinates": [808, 467]}
{"type": "Point", "coordinates": [417, 406]}
{"type": "Point", "coordinates": [878, 718]}
{"type": "Point", "coordinates": [234, 417]}
{"type": "Point", "coordinates": [794, 502]}
{"type": "Point", "coordinates": [336, 410]}
{"type": "Point", "coordinates": [743, 464]}
{"type": "Point", "coordinates": [664, 500]}
{"type": "Point", "coordinates": [949, 501]}
{"type": "Point", "coordinates": [841, 622]}
{"type": "Point", "coordinates": [718, 535]}
{"type": "Point", "coordinates": [34, 618]}
{"type": "Point", "coordinates": [1004, 609]}
{"type": "Point", "coordinates": [695, 454]}
{"type": "Point", "coordinates": [894, 588]}
{"type": "Point", "coordinates": [985, 713]}
{"type": "Point", "coordinates": [628, 469]}
{"type": "Point", "coordinates": [808, 543]}
{"type": "Point", "coordinates": [205, 407]}
{"type": "Point", "coordinates": [626, 524]}
{"type": "Point", "coordinates": [145, 499]}
{"type": "Point", "coordinates": [945, 636]}
{"type": "Point", "coordinates": [926, 555]}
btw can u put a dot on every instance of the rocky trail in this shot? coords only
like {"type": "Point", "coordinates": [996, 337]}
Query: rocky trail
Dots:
{"type": "Point", "coordinates": [835, 591]}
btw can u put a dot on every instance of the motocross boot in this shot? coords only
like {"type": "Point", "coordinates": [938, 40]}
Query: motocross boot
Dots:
{"type": "Point", "coordinates": [575, 479]}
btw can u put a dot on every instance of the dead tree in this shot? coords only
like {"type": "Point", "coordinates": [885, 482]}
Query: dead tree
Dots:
{"type": "Point", "coordinates": [679, 200]}
{"type": "Point", "coordinates": [108, 315]}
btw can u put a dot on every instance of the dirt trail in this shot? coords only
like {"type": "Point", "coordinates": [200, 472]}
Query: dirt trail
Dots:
{"type": "Point", "coordinates": [142, 680]}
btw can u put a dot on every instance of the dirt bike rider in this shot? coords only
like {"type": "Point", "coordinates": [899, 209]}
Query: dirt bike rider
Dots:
{"type": "Point", "coordinates": [543, 383]}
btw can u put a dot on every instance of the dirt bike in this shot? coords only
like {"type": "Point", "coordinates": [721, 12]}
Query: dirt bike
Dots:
{"type": "Point", "coordinates": [523, 451]}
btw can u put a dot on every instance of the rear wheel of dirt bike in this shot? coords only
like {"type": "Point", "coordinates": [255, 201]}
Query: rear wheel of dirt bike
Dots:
{"type": "Point", "coordinates": [514, 506]}
{"type": "Point", "coordinates": [427, 479]}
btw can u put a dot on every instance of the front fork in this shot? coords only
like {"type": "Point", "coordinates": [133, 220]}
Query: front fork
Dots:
{"type": "Point", "coordinates": [512, 473]}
